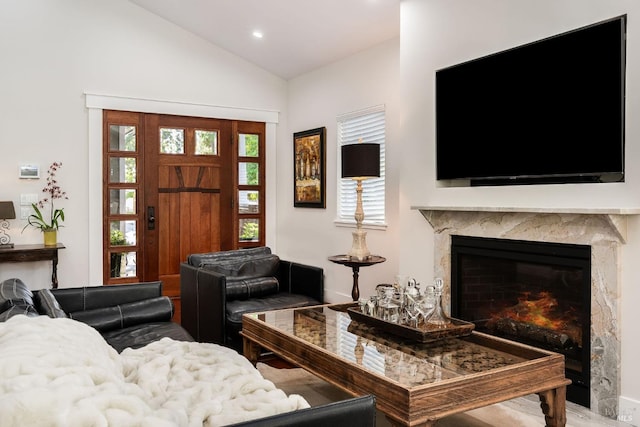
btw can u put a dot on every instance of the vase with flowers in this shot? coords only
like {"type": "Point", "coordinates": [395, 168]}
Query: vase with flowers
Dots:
{"type": "Point", "coordinates": [49, 225]}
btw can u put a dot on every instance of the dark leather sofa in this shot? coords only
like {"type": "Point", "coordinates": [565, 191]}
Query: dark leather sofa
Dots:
{"type": "Point", "coordinates": [134, 315]}
{"type": "Point", "coordinates": [354, 412]}
{"type": "Point", "coordinates": [131, 315]}
{"type": "Point", "coordinates": [217, 288]}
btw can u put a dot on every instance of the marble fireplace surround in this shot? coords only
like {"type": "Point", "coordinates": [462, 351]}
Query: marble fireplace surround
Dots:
{"type": "Point", "coordinates": [605, 230]}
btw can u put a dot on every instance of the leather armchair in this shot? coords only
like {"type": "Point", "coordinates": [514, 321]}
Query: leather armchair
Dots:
{"type": "Point", "coordinates": [217, 288]}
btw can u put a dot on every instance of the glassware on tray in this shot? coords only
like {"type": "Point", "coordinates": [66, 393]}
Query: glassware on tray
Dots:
{"type": "Point", "coordinates": [437, 316]}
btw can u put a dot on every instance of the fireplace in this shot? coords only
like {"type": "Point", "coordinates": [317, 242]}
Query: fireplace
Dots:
{"type": "Point", "coordinates": [603, 230]}
{"type": "Point", "coordinates": [536, 293]}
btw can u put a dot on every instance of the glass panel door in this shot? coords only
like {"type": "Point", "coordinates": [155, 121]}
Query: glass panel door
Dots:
{"type": "Point", "coordinates": [250, 185]}
{"type": "Point", "coordinates": [121, 195]}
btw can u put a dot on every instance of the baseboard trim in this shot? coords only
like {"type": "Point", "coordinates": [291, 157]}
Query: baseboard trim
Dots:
{"type": "Point", "coordinates": [629, 411]}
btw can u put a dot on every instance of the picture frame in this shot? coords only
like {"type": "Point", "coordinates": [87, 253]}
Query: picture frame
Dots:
{"type": "Point", "coordinates": [309, 168]}
{"type": "Point", "coordinates": [29, 171]}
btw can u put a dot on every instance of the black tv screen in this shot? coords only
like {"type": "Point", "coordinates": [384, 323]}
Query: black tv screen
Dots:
{"type": "Point", "coordinates": [548, 111]}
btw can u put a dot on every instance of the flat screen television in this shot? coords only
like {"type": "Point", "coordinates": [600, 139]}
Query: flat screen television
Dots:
{"type": "Point", "coordinates": [550, 111]}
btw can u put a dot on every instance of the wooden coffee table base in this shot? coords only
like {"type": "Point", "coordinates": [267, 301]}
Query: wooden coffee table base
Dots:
{"type": "Point", "coordinates": [554, 406]}
{"type": "Point", "coordinates": [527, 371]}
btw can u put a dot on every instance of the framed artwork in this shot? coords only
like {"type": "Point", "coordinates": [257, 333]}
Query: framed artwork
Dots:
{"type": "Point", "coordinates": [29, 171]}
{"type": "Point", "coordinates": [309, 168]}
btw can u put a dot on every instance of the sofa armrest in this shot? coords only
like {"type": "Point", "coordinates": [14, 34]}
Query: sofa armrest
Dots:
{"type": "Point", "coordinates": [354, 412]}
{"type": "Point", "coordinates": [203, 299]}
{"type": "Point", "coordinates": [92, 297]}
{"type": "Point", "coordinates": [302, 279]}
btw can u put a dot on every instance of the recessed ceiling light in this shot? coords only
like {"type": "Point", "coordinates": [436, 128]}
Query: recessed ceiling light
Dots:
{"type": "Point", "coordinates": [257, 34]}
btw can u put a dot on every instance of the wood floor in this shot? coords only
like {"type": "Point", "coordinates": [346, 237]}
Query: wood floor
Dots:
{"type": "Point", "coordinates": [521, 412]}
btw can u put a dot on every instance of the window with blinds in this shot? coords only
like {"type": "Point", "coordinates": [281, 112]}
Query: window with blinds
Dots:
{"type": "Point", "coordinates": [369, 126]}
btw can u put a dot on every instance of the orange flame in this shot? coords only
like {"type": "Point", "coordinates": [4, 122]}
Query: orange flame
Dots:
{"type": "Point", "coordinates": [540, 310]}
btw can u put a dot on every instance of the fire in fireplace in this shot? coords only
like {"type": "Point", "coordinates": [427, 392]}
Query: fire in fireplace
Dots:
{"type": "Point", "coordinates": [539, 319]}
{"type": "Point", "coordinates": [537, 293]}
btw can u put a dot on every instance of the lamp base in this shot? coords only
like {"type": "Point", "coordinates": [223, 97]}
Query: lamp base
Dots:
{"type": "Point", "coordinates": [359, 248]}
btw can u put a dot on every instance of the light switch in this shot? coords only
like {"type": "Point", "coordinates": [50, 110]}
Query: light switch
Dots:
{"type": "Point", "coordinates": [28, 199]}
{"type": "Point", "coordinates": [25, 212]}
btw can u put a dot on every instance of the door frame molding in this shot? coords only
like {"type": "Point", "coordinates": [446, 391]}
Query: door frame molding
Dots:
{"type": "Point", "coordinates": [96, 103]}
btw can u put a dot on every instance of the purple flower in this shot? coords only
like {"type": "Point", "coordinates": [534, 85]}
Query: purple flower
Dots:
{"type": "Point", "coordinates": [53, 191]}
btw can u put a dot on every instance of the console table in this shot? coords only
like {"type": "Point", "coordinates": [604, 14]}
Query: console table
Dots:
{"type": "Point", "coordinates": [27, 253]}
{"type": "Point", "coordinates": [355, 265]}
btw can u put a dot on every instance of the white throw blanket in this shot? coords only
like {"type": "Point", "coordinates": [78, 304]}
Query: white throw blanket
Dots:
{"type": "Point", "coordinates": [62, 373]}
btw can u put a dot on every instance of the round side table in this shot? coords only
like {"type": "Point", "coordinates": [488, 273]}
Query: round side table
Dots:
{"type": "Point", "coordinates": [355, 265]}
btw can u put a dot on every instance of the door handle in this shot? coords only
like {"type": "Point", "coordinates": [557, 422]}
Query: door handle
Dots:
{"type": "Point", "coordinates": [151, 218]}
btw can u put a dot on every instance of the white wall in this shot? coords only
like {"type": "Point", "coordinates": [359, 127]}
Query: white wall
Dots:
{"type": "Point", "coordinates": [315, 99]}
{"type": "Point", "coordinates": [435, 34]}
{"type": "Point", "coordinates": [54, 51]}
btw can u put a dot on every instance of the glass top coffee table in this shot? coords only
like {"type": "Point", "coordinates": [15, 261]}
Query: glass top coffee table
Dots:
{"type": "Point", "coordinates": [415, 383]}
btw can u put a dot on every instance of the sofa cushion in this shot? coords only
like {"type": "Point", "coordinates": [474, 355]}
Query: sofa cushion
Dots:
{"type": "Point", "coordinates": [47, 304]}
{"type": "Point", "coordinates": [251, 288]}
{"type": "Point", "coordinates": [105, 319]}
{"type": "Point", "coordinates": [207, 258]}
{"type": "Point", "coordinates": [92, 297]}
{"type": "Point", "coordinates": [14, 307]}
{"type": "Point", "coordinates": [15, 298]}
{"type": "Point", "coordinates": [140, 335]}
{"type": "Point", "coordinates": [245, 267]}
{"type": "Point", "coordinates": [235, 309]}
{"type": "Point", "coordinates": [15, 289]}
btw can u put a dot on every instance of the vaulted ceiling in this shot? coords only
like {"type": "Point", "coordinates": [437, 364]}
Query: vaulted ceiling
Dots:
{"type": "Point", "coordinates": [297, 35]}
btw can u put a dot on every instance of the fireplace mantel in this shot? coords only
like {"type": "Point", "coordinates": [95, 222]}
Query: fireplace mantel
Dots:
{"type": "Point", "coordinates": [615, 217]}
{"type": "Point", "coordinates": [581, 211]}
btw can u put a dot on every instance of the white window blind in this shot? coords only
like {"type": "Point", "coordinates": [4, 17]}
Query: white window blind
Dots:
{"type": "Point", "coordinates": [368, 125]}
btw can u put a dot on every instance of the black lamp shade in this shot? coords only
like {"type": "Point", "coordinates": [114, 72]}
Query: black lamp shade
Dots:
{"type": "Point", "coordinates": [361, 160]}
{"type": "Point", "coordinates": [7, 211]}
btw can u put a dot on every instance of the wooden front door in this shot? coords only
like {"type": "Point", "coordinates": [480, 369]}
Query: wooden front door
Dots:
{"type": "Point", "coordinates": [188, 193]}
{"type": "Point", "coordinates": [178, 185]}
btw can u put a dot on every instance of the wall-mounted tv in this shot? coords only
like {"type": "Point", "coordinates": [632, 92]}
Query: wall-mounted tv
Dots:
{"type": "Point", "coordinates": [550, 111]}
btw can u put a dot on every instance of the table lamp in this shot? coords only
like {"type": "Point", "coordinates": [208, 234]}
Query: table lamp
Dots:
{"type": "Point", "coordinates": [6, 212]}
{"type": "Point", "coordinates": [359, 162]}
